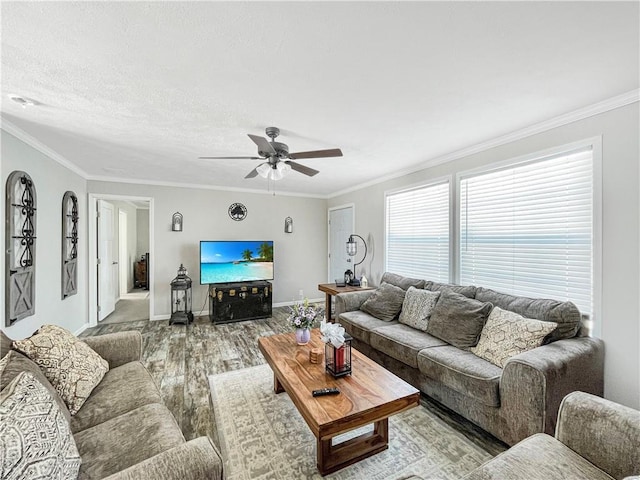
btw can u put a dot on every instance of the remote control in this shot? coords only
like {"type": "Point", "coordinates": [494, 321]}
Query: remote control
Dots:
{"type": "Point", "coordinates": [325, 391]}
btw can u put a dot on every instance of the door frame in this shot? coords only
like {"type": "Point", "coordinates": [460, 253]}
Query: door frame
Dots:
{"type": "Point", "coordinates": [93, 250]}
{"type": "Point", "coordinates": [352, 206]}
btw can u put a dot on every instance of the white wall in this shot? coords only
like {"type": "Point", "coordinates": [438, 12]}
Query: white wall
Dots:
{"type": "Point", "coordinates": [51, 181]}
{"type": "Point", "coordinates": [620, 322]}
{"type": "Point", "coordinates": [142, 229]}
{"type": "Point", "coordinates": [300, 257]}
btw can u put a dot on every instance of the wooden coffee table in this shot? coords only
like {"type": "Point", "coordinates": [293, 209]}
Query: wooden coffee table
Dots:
{"type": "Point", "coordinates": [370, 394]}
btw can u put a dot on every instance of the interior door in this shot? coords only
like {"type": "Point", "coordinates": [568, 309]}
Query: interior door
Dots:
{"type": "Point", "coordinates": [107, 268]}
{"type": "Point", "coordinates": [123, 254]}
{"type": "Point", "coordinates": [340, 227]}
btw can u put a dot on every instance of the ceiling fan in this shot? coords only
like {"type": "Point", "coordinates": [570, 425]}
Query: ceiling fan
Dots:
{"type": "Point", "coordinates": [277, 156]}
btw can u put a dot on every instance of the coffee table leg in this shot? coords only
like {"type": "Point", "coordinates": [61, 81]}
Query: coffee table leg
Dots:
{"type": "Point", "coordinates": [331, 458]}
{"type": "Point", "coordinates": [277, 386]}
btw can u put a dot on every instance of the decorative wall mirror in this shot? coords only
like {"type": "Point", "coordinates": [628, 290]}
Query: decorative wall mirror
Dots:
{"type": "Point", "coordinates": [20, 241]}
{"type": "Point", "coordinates": [69, 244]}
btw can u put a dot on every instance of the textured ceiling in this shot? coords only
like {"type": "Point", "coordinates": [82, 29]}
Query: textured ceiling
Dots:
{"type": "Point", "coordinates": [137, 90]}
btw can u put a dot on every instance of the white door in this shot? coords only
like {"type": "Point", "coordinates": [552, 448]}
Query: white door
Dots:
{"type": "Point", "coordinates": [123, 253]}
{"type": "Point", "coordinates": [340, 227]}
{"type": "Point", "coordinates": [107, 268]}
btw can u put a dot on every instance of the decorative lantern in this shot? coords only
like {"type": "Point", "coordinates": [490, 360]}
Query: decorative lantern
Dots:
{"type": "Point", "coordinates": [181, 298]}
{"type": "Point", "coordinates": [338, 360]}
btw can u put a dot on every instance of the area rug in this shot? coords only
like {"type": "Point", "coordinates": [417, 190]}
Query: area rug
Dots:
{"type": "Point", "coordinates": [262, 436]}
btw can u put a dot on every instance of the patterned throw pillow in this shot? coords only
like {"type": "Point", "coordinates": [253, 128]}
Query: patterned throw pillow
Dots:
{"type": "Point", "coordinates": [71, 366]}
{"type": "Point", "coordinates": [507, 334]}
{"type": "Point", "coordinates": [35, 438]}
{"type": "Point", "coordinates": [385, 303]}
{"type": "Point", "coordinates": [417, 307]}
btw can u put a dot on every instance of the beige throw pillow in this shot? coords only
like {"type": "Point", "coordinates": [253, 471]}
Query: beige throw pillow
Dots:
{"type": "Point", "coordinates": [507, 334]}
{"type": "Point", "coordinates": [417, 307]}
{"type": "Point", "coordinates": [71, 366]}
{"type": "Point", "coordinates": [35, 437]}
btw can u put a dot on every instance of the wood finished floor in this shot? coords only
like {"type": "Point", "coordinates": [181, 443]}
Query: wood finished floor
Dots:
{"type": "Point", "coordinates": [181, 358]}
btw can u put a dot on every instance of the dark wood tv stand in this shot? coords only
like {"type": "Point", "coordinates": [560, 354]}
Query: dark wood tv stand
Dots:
{"type": "Point", "coordinates": [238, 301]}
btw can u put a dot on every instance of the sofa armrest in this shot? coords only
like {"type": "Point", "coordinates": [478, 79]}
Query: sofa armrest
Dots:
{"type": "Point", "coordinates": [534, 383]}
{"type": "Point", "coordinates": [117, 348]}
{"type": "Point", "coordinates": [605, 433]}
{"type": "Point", "coordinates": [351, 301]}
{"type": "Point", "coordinates": [196, 459]}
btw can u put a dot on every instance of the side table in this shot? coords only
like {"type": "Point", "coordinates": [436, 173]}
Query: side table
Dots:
{"type": "Point", "coordinates": [331, 289]}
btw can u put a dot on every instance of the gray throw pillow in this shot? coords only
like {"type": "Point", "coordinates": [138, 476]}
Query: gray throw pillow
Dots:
{"type": "Point", "coordinates": [458, 320]}
{"type": "Point", "coordinates": [385, 303]}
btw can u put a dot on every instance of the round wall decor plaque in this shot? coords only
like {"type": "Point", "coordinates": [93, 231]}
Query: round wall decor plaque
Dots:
{"type": "Point", "coordinates": [237, 211]}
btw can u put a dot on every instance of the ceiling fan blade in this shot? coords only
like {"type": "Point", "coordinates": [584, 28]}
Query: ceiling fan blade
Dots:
{"type": "Point", "coordinates": [264, 147]}
{"type": "Point", "coordinates": [302, 169]}
{"type": "Point", "coordinates": [230, 158]}
{"type": "Point", "coordinates": [333, 152]}
{"type": "Point", "coordinates": [252, 173]}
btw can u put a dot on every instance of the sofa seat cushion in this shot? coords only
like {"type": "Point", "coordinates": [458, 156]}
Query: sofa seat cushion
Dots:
{"type": "Point", "coordinates": [402, 342]}
{"type": "Point", "coordinates": [359, 324]}
{"type": "Point", "coordinates": [539, 457]}
{"type": "Point", "coordinates": [565, 314]}
{"type": "Point", "coordinates": [126, 440]}
{"type": "Point", "coordinates": [122, 389]}
{"type": "Point", "coordinates": [462, 371]}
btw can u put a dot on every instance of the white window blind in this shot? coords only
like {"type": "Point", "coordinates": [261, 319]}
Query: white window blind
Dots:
{"type": "Point", "coordinates": [417, 232]}
{"type": "Point", "coordinates": [527, 229]}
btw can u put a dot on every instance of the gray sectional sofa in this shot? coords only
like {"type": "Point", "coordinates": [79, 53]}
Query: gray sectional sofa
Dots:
{"type": "Point", "coordinates": [123, 430]}
{"type": "Point", "coordinates": [512, 402]}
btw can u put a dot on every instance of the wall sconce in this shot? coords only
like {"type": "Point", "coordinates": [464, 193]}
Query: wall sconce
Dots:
{"type": "Point", "coordinates": [288, 225]}
{"type": "Point", "coordinates": [176, 222]}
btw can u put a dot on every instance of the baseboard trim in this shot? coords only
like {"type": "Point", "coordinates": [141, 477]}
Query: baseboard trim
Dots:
{"type": "Point", "coordinates": [81, 329]}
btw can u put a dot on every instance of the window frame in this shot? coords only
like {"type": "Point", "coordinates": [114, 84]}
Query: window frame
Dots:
{"type": "Point", "coordinates": [595, 143]}
{"type": "Point", "coordinates": [445, 179]}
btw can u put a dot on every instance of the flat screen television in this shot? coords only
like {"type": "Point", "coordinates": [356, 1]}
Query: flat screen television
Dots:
{"type": "Point", "coordinates": [223, 261]}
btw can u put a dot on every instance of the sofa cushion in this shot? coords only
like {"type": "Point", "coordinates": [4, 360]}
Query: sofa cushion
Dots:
{"type": "Point", "coordinates": [417, 307]}
{"type": "Point", "coordinates": [507, 334]}
{"type": "Point", "coordinates": [385, 303]}
{"type": "Point", "coordinates": [15, 363]}
{"type": "Point", "coordinates": [69, 364]}
{"type": "Point", "coordinates": [359, 324]}
{"type": "Point", "coordinates": [565, 314]}
{"type": "Point", "coordinates": [401, 281]}
{"type": "Point", "coordinates": [466, 290]}
{"type": "Point", "coordinates": [126, 440]}
{"type": "Point", "coordinates": [539, 457]}
{"type": "Point", "coordinates": [122, 389]}
{"type": "Point", "coordinates": [457, 319]}
{"type": "Point", "coordinates": [402, 342]}
{"type": "Point", "coordinates": [35, 438]}
{"type": "Point", "coordinates": [462, 371]}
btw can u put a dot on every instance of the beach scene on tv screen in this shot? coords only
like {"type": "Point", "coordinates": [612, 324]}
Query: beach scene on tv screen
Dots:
{"type": "Point", "coordinates": [222, 262]}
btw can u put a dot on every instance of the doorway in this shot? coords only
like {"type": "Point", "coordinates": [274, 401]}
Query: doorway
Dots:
{"type": "Point", "coordinates": [341, 225]}
{"type": "Point", "coordinates": [123, 229]}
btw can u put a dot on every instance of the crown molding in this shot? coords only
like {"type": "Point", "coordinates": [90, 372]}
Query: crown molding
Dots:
{"type": "Point", "coordinates": [580, 114]}
{"type": "Point", "coordinates": [23, 136]}
{"type": "Point", "coordinates": [158, 183]}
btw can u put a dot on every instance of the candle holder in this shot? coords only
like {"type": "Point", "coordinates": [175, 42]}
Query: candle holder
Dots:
{"type": "Point", "coordinates": [338, 360]}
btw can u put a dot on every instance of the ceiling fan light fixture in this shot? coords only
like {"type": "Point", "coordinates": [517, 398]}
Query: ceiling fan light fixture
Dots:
{"type": "Point", "coordinates": [263, 170]}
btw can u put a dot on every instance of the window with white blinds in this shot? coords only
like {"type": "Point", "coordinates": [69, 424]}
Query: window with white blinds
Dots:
{"type": "Point", "coordinates": [527, 229]}
{"type": "Point", "coordinates": [417, 232]}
